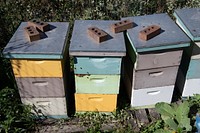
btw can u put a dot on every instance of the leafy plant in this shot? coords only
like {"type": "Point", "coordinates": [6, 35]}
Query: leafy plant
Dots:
{"type": "Point", "coordinates": [14, 117]}
{"type": "Point", "coordinates": [153, 127]}
{"type": "Point", "coordinates": [175, 116]}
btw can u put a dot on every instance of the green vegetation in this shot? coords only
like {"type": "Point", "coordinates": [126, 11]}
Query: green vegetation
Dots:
{"type": "Point", "coordinates": [15, 117]}
{"type": "Point", "coordinates": [175, 116]}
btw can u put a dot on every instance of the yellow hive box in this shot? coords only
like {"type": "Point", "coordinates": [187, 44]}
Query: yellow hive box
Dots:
{"type": "Point", "coordinates": [95, 102]}
{"type": "Point", "coordinates": [37, 68]}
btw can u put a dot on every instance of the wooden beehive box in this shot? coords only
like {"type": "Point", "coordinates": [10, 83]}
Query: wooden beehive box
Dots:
{"type": "Point", "coordinates": [151, 65]}
{"type": "Point", "coordinates": [39, 66]}
{"type": "Point", "coordinates": [97, 65]}
{"type": "Point", "coordinates": [188, 20]}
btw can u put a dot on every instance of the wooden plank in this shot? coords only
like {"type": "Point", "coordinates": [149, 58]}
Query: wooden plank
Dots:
{"type": "Point", "coordinates": [52, 107]}
{"type": "Point", "coordinates": [158, 59]}
{"type": "Point", "coordinates": [150, 96]}
{"type": "Point", "coordinates": [97, 65]}
{"type": "Point", "coordinates": [141, 117]}
{"type": "Point", "coordinates": [153, 114]}
{"type": "Point", "coordinates": [155, 77]}
{"type": "Point", "coordinates": [40, 87]}
{"type": "Point", "coordinates": [133, 122]}
{"type": "Point", "coordinates": [194, 69]}
{"type": "Point", "coordinates": [191, 87]}
{"type": "Point", "coordinates": [37, 68]}
{"type": "Point", "coordinates": [61, 129]}
{"type": "Point", "coordinates": [97, 84]}
{"type": "Point", "coordinates": [95, 102]}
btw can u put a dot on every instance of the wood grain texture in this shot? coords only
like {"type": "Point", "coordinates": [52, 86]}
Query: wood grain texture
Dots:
{"type": "Point", "coordinates": [47, 106]}
{"type": "Point", "coordinates": [155, 77]}
{"type": "Point", "coordinates": [158, 59]}
{"type": "Point", "coordinates": [40, 87]}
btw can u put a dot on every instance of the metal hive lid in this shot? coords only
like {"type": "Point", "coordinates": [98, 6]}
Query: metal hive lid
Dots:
{"type": "Point", "coordinates": [50, 47]}
{"type": "Point", "coordinates": [171, 35]}
{"type": "Point", "coordinates": [190, 20]}
{"type": "Point", "coordinates": [82, 45]}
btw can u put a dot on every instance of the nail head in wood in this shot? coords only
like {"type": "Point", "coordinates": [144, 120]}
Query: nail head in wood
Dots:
{"type": "Point", "coordinates": [43, 26]}
{"type": "Point", "coordinates": [149, 32]}
{"type": "Point", "coordinates": [31, 33]}
{"type": "Point", "coordinates": [97, 34]}
{"type": "Point", "coordinates": [121, 26]}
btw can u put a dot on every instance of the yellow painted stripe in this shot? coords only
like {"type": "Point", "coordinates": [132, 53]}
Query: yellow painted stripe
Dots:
{"type": "Point", "coordinates": [95, 102]}
{"type": "Point", "coordinates": [37, 68]}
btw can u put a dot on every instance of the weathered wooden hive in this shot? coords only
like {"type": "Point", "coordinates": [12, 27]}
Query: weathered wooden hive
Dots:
{"type": "Point", "coordinates": [188, 20]}
{"type": "Point", "coordinates": [154, 56]}
{"type": "Point", "coordinates": [97, 65]}
{"type": "Point", "coordinates": [39, 66]}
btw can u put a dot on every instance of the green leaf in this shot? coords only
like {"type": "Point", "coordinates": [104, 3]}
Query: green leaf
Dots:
{"type": "Point", "coordinates": [185, 123]}
{"type": "Point", "coordinates": [162, 131]}
{"type": "Point", "coordinates": [165, 110]}
{"type": "Point", "coordinates": [196, 96]}
{"type": "Point", "coordinates": [182, 111]}
{"type": "Point", "coordinates": [171, 123]}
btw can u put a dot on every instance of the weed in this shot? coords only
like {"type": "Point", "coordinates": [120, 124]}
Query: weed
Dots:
{"type": "Point", "coordinates": [175, 116]}
{"type": "Point", "coordinates": [14, 117]}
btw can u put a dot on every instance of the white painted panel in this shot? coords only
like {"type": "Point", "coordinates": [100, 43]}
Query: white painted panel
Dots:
{"type": "Point", "coordinates": [48, 106]}
{"type": "Point", "coordinates": [192, 86]}
{"type": "Point", "coordinates": [150, 96]}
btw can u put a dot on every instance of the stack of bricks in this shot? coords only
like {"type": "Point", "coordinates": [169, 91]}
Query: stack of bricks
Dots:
{"type": "Point", "coordinates": [97, 53]}
{"type": "Point", "coordinates": [154, 50]}
{"type": "Point", "coordinates": [188, 80]}
{"type": "Point", "coordinates": [39, 65]}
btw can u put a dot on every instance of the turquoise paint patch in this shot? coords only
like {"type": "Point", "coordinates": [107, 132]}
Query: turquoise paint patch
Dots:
{"type": "Point", "coordinates": [97, 65]}
{"type": "Point", "coordinates": [194, 69]}
{"type": "Point", "coordinates": [32, 56]}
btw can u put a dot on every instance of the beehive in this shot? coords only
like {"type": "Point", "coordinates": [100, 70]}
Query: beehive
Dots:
{"type": "Point", "coordinates": [97, 66]}
{"type": "Point", "coordinates": [188, 20]}
{"type": "Point", "coordinates": [39, 67]}
{"type": "Point", "coordinates": [151, 66]}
